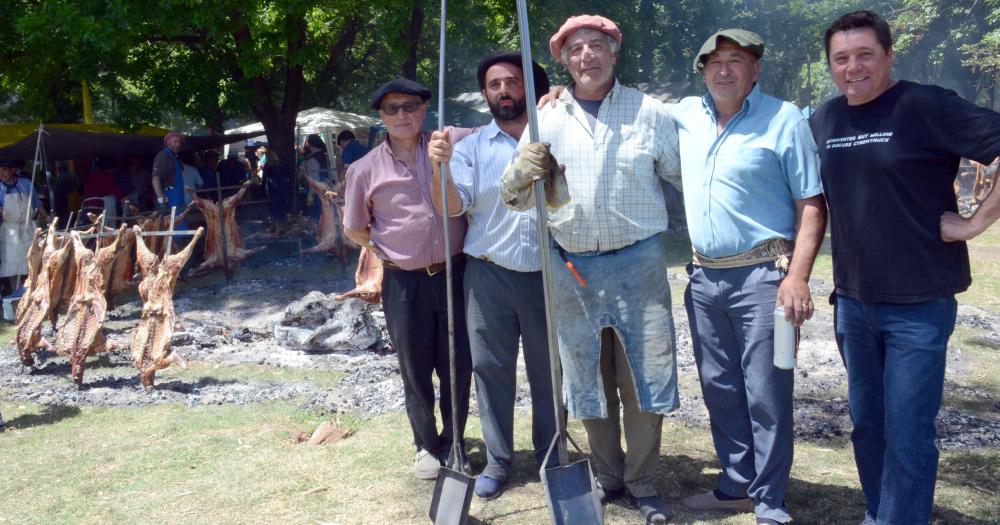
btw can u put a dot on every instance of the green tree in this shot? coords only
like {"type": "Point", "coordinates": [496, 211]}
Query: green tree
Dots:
{"type": "Point", "coordinates": [934, 39]}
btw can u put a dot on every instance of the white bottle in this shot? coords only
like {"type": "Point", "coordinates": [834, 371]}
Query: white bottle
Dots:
{"type": "Point", "coordinates": [786, 340]}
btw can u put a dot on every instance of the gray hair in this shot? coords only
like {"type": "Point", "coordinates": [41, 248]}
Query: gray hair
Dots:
{"type": "Point", "coordinates": [564, 52]}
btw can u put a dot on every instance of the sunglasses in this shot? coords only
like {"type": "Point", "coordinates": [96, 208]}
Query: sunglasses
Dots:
{"type": "Point", "coordinates": [409, 107]}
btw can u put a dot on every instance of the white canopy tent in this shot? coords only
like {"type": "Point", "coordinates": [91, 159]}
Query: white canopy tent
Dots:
{"type": "Point", "coordinates": [322, 121]}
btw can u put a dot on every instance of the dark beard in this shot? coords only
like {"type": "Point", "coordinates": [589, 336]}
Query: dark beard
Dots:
{"type": "Point", "coordinates": [506, 114]}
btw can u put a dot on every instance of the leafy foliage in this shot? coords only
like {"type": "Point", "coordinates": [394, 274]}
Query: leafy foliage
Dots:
{"type": "Point", "coordinates": [226, 60]}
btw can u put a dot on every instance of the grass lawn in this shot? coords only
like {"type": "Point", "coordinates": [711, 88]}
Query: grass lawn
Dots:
{"type": "Point", "coordinates": [240, 464]}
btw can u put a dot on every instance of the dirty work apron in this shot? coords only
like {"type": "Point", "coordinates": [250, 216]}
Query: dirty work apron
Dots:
{"type": "Point", "coordinates": [17, 235]}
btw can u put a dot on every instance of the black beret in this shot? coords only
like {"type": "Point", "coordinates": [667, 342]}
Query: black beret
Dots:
{"type": "Point", "coordinates": [10, 164]}
{"type": "Point", "coordinates": [399, 85]}
{"type": "Point", "coordinates": [541, 78]}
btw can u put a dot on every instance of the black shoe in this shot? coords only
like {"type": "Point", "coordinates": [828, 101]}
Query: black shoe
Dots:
{"type": "Point", "coordinates": [608, 496]}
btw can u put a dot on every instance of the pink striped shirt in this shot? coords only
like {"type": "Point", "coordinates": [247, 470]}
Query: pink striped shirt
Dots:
{"type": "Point", "coordinates": [384, 194]}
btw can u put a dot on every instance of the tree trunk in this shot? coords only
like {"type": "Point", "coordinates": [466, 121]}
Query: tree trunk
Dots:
{"type": "Point", "coordinates": [412, 36]}
{"type": "Point", "coordinates": [338, 66]}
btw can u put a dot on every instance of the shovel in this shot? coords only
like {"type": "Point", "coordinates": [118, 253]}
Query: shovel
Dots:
{"type": "Point", "coordinates": [569, 487]}
{"type": "Point", "coordinates": [453, 488]}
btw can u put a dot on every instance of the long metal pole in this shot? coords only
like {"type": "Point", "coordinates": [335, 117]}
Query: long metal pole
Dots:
{"type": "Point", "coordinates": [543, 234]}
{"type": "Point", "coordinates": [34, 170]}
{"type": "Point", "coordinates": [445, 176]}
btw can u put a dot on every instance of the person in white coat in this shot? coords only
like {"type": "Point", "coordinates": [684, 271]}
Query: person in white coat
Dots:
{"type": "Point", "coordinates": [17, 228]}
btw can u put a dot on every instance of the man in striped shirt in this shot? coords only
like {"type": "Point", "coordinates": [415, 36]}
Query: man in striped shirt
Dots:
{"type": "Point", "coordinates": [388, 209]}
{"type": "Point", "coordinates": [504, 296]}
{"type": "Point", "coordinates": [616, 335]}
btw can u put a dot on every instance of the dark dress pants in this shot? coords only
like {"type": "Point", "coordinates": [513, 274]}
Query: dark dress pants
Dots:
{"type": "Point", "coordinates": [415, 306]}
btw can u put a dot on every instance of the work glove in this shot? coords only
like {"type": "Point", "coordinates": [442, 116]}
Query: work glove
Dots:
{"type": "Point", "coordinates": [534, 162]}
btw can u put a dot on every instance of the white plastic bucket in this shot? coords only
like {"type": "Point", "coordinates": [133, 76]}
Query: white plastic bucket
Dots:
{"type": "Point", "coordinates": [9, 307]}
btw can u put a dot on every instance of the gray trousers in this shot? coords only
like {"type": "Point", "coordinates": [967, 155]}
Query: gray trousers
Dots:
{"type": "Point", "coordinates": [749, 401]}
{"type": "Point", "coordinates": [616, 468]}
{"type": "Point", "coordinates": [502, 305]}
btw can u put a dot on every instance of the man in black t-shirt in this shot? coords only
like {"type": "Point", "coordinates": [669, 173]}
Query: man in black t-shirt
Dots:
{"type": "Point", "coordinates": [890, 151]}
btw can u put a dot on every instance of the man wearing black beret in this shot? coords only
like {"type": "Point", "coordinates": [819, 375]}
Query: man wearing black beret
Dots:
{"type": "Point", "coordinates": [503, 279]}
{"type": "Point", "coordinates": [388, 209]}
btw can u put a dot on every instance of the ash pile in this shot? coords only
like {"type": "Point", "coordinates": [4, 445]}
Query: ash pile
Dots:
{"type": "Point", "coordinates": [320, 323]}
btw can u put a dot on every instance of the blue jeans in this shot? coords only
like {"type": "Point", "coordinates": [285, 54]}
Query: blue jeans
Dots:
{"type": "Point", "coordinates": [895, 358]}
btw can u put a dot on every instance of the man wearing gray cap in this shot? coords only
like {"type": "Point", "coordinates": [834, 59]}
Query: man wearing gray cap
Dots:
{"type": "Point", "coordinates": [756, 217]}
{"type": "Point", "coordinates": [388, 209]}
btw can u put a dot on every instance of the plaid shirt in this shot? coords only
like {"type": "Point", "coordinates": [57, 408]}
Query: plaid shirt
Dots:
{"type": "Point", "coordinates": [612, 171]}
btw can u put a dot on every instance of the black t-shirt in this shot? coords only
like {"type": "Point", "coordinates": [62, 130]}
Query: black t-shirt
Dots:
{"type": "Point", "coordinates": [888, 169]}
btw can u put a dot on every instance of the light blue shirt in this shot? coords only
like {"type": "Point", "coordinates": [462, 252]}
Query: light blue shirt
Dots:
{"type": "Point", "coordinates": [21, 185]}
{"type": "Point", "coordinates": [740, 186]}
{"type": "Point", "coordinates": [496, 233]}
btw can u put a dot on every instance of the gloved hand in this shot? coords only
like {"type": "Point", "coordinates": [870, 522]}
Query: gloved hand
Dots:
{"type": "Point", "coordinates": [533, 162]}
{"type": "Point", "coordinates": [161, 207]}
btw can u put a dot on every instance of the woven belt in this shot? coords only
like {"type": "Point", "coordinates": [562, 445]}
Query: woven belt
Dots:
{"type": "Point", "coordinates": [431, 270]}
{"type": "Point", "coordinates": [772, 250]}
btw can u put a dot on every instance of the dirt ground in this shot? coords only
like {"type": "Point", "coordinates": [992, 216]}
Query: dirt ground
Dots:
{"type": "Point", "coordinates": [230, 324]}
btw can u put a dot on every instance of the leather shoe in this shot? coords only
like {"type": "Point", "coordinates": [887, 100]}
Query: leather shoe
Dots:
{"type": "Point", "coordinates": [608, 496]}
{"type": "Point", "coordinates": [653, 510]}
{"type": "Point", "coordinates": [488, 488]}
{"type": "Point", "coordinates": [426, 465]}
{"type": "Point", "coordinates": [709, 503]}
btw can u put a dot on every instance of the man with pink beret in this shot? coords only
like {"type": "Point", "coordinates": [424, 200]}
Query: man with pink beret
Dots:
{"type": "Point", "coordinates": [616, 334]}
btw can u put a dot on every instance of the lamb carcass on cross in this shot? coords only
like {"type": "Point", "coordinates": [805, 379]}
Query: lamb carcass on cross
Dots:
{"type": "Point", "coordinates": [35, 254]}
{"type": "Point", "coordinates": [63, 279]}
{"type": "Point", "coordinates": [367, 279]}
{"type": "Point", "coordinates": [329, 236]}
{"type": "Point", "coordinates": [155, 223]}
{"type": "Point", "coordinates": [36, 304]}
{"type": "Point", "coordinates": [150, 344]}
{"type": "Point", "coordinates": [236, 249]}
{"type": "Point", "coordinates": [119, 273]}
{"type": "Point", "coordinates": [80, 334]}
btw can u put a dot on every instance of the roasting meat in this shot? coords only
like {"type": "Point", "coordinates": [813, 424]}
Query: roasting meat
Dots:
{"type": "Point", "coordinates": [367, 279]}
{"type": "Point", "coordinates": [38, 253]}
{"type": "Point", "coordinates": [236, 249]}
{"type": "Point", "coordinates": [37, 303]}
{"type": "Point", "coordinates": [155, 223]}
{"type": "Point", "coordinates": [151, 341]}
{"type": "Point", "coordinates": [119, 274]}
{"type": "Point", "coordinates": [35, 258]}
{"type": "Point", "coordinates": [329, 236]}
{"type": "Point", "coordinates": [80, 334]}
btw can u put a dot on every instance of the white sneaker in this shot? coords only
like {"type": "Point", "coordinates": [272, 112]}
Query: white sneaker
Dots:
{"type": "Point", "coordinates": [426, 465]}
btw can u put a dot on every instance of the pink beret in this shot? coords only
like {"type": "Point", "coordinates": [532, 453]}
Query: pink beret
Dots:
{"type": "Point", "coordinates": [173, 133]}
{"type": "Point", "coordinates": [574, 23]}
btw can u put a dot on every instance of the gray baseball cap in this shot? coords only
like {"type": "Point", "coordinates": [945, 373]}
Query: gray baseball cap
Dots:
{"type": "Point", "coordinates": [746, 39]}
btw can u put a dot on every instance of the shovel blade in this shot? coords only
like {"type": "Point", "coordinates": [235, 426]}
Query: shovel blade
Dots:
{"type": "Point", "coordinates": [572, 494]}
{"type": "Point", "coordinates": [452, 497]}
